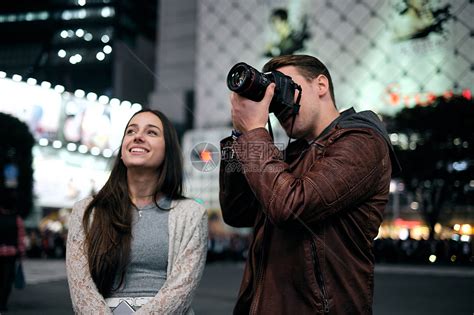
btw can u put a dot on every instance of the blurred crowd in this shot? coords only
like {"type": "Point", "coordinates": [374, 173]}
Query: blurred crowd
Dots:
{"type": "Point", "coordinates": [45, 243]}
{"type": "Point", "coordinates": [233, 246]}
{"type": "Point", "coordinates": [411, 251]}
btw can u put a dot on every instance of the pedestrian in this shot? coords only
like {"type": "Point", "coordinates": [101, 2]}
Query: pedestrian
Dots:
{"type": "Point", "coordinates": [138, 243]}
{"type": "Point", "coordinates": [316, 207]}
{"type": "Point", "coordinates": [12, 249]}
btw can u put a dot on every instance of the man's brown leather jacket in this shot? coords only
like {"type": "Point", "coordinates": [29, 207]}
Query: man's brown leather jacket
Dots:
{"type": "Point", "coordinates": [315, 209]}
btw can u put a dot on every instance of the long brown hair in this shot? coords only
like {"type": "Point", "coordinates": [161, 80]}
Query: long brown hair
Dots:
{"type": "Point", "coordinates": [107, 219]}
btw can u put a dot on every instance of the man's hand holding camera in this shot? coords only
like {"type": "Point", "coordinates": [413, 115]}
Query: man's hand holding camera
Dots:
{"type": "Point", "coordinates": [248, 114]}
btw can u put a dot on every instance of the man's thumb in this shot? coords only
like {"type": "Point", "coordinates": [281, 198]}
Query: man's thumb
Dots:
{"type": "Point", "coordinates": [269, 93]}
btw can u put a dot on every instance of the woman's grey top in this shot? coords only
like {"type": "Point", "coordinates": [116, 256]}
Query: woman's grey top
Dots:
{"type": "Point", "coordinates": [146, 272]}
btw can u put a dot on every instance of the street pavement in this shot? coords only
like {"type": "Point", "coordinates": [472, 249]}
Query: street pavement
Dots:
{"type": "Point", "coordinates": [398, 289]}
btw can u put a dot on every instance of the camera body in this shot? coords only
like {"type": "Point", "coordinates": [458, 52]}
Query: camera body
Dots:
{"type": "Point", "coordinates": [252, 84]}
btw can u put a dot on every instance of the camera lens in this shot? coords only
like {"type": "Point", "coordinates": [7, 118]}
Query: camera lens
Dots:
{"type": "Point", "coordinates": [252, 84]}
{"type": "Point", "coordinates": [238, 77]}
{"type": "Point", "coordinates": [247, 81]}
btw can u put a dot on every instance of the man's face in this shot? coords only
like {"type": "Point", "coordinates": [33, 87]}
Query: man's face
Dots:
{"type": "Point", "coordinates": [306, 120]}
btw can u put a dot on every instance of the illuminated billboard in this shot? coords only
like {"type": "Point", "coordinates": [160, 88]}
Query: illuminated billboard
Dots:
{"type": "Point", "coordinates": [53, 114]}
{"type": "Point", "coordinates": [39, 107]}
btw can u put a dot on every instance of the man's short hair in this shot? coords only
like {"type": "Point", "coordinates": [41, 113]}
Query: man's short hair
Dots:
{"type": "Point", "coordinates": [309, 67]}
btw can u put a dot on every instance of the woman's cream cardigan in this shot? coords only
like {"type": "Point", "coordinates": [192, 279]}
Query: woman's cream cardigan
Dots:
{"type": "Point", "coordinates": [187, 227]}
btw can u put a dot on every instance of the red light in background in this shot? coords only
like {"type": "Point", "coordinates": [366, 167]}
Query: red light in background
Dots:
{"type": "Point", "coordinates": [466, 93]}
{"type": "Point", "coordinates": [448, 94]}
{"type": "Point", "coordinates": [431, 97]}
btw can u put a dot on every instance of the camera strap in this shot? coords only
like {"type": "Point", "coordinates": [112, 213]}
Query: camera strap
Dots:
{"type": "Point", "coordinates": [296, 105]}
{"type": "Point", "coordinates": [296, 110]}
{"type": "Point", "coordinates": [270, 130]}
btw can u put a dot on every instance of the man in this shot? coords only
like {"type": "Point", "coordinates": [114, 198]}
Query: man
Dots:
{"type": "Point", "coordinates": [316, 208]}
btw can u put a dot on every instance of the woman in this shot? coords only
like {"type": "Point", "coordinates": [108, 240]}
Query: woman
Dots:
{"type": "Point", "coordinates": [138, 240]}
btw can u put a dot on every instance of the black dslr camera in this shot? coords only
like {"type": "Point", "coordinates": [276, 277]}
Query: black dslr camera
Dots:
{"type": "Point", "coordinates": [250, 83]}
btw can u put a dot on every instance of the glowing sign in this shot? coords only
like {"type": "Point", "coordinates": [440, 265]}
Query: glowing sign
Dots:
{"type": "Point", "coordinates": [38, 107]}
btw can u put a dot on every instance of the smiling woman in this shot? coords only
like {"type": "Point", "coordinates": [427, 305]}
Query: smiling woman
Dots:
{"type": "Point", "coordinates": [143, 145]}
{"type": "Point", "coordinates": [139, 242]}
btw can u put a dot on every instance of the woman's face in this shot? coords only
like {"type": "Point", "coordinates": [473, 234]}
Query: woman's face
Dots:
{"type": "Point", "coordinates": [143, 144]}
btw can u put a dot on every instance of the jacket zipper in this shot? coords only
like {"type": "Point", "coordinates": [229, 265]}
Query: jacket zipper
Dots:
{"type": "Point", "coordinates": [260, 273]}
{"type": "Point", "coordinates": [319, 277]}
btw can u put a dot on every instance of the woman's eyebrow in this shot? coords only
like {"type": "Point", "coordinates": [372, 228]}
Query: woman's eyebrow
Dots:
{"type": "Point", "coordinates": [151, 125]}
{"type": "Point", "coordinates": [148, 125]}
